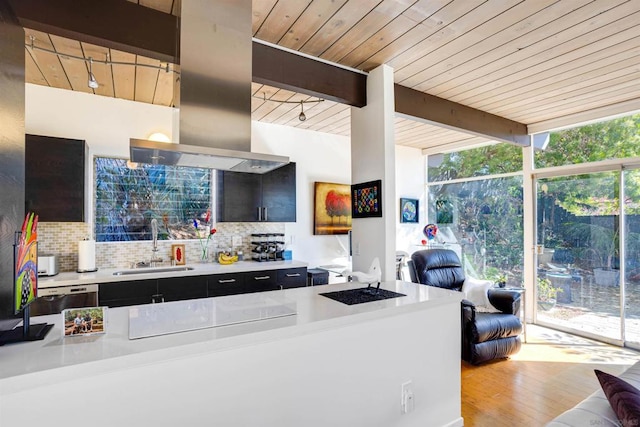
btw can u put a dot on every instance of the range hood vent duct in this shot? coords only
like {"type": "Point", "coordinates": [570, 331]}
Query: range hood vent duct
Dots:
{"type": "Point", "coordinates": [215, 93]}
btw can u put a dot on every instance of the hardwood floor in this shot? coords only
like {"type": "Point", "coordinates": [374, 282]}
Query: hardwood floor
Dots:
{"type": "Point", "coordinates": [551, 373]}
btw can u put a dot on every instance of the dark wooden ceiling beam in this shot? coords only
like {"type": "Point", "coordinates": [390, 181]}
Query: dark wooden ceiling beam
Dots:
{"type": "Point", "coordinates": [126, 26]}
{"type": "Point", "coordinates": [442, 112]}
{"type": "Point", "coordinates": [115, 24]}
{"type": "Point", "coordinates": [286, 70]}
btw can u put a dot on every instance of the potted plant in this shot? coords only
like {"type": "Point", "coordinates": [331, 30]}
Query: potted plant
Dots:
{"type": "Point", "coordinates": [501, 280]}
{"type": "Point", "coordinates": [547, 294]}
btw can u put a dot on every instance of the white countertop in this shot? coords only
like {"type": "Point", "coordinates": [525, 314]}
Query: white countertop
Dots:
{"type": "Point", "coordinates": [107, 275]}
{"type": "Point", "coordinates": [55, 358]}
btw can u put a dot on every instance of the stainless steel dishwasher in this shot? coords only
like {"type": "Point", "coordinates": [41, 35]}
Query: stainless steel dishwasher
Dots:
{"type": "Point", "coordinates": [54, 300]}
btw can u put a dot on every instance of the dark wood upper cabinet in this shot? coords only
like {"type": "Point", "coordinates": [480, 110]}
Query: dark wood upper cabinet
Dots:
{"type": "Point", "coordinates": [55, 178]}
{"type": "Point", "coordinates": [239, 196]}
{"type": "Point", "coordinates": [246, 197]}
{"type": "Point", "coordinates": [279, 194]}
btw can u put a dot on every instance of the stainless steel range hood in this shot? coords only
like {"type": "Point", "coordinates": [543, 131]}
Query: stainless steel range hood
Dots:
{"type": "Point", "coordinates": [214, 93]}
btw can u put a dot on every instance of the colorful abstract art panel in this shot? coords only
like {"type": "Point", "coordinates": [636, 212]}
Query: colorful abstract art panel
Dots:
{"type": "Point", "coordinates": [366, 199]}
{"type": "Point", "coordinates": [332, 208]}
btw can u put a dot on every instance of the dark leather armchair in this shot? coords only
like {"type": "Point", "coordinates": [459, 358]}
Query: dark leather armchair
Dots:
{"type": "Point", "coordinates": [485, 335]}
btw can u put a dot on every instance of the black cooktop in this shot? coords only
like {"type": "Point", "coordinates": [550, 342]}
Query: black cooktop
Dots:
{"type": "Point", "coordinates": [361, 295]}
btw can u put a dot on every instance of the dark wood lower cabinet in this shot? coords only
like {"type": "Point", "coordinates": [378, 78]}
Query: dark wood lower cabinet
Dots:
{"type": "Point", "coordinates": [120, 294]}
{"type": "Point", "coordinates": [260, 281]}
{"type": "Point", "coordinates": [181, 288]}
{"type": "Point", "coordinates": [292, 278]}
{"type": "Point", "coordinates": [135, 292]}
{"type": "Point", "coordinates": [226, 284]}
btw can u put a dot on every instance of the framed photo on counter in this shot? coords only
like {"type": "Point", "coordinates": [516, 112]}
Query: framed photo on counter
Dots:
{"type": "Point", "coordinates": [84, 321]}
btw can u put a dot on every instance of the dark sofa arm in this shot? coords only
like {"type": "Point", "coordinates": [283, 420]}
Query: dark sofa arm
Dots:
{"type": "Point", "coordinates": [468, 312]}
{"type": "Point", "coordinates": [505, 300]}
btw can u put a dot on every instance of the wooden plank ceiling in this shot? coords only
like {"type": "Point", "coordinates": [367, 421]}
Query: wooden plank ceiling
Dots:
{"type": "Point", "coordinates": [528, 61]}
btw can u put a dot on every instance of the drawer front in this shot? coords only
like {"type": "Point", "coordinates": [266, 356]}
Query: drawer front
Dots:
{"type": "Point", "coordinates": [259, 281]}
{"type": "Point", "coordinates": [182, 288]}
{"type": "Point", "coordinates": [292, 277]}
{"type": "Point", "coordinates": [127, 293]}
{"type": "Point", "coordinates": [226, 284]}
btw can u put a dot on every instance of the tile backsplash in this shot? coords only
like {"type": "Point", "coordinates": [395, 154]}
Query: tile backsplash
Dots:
{"type": "Point", "coordinates": [61, 239]}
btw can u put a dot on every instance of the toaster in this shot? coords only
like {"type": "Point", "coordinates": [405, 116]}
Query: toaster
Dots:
{"type": "Point", "coordinates": [47, 265]}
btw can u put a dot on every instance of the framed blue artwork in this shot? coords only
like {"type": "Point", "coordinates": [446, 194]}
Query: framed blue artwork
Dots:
{"type": "Point", "coordinates": [409, 210]}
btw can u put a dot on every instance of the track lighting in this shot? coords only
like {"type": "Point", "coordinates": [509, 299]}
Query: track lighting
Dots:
{"type": "Point", "coordinates": [92, 83]}
{"type": "Point", "coordinates": [302, 116]}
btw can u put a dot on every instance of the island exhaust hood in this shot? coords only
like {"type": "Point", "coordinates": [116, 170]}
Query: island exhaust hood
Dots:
{"type": "Point", "coordinates": [214, 93]}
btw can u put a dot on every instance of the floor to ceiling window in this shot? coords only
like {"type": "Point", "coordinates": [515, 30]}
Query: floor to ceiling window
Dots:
{"type": "Point", "coordinates": [578, 260]}
{"type": "Point", "coordinates": [586, 277]}
{"type": "Point", "coordinates": [587, 271]}
{"type": "Point", "coordinates": [475, 199]}
{"type": "Point", "coordinates": [631, 252]}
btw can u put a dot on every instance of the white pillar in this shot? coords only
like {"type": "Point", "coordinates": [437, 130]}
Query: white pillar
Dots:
{"type": "Point", "coordinates": [373, 158]}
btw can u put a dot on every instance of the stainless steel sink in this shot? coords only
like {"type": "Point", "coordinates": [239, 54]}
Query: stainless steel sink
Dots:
{"type": "Point", "coordinates": [145, 270]}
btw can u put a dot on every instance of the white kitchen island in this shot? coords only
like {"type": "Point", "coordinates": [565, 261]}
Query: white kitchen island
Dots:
{"type": "Point", "coordinates": [329, 364]}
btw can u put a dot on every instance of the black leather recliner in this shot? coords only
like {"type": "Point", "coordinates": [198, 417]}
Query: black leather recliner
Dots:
{"type": "Point", "coordinates": [485, 336]}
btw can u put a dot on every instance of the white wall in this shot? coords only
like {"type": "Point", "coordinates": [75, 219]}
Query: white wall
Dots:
{"type": "Point", "coordinates": [107, 124]}
{"type": "Point", "coordinates": [410, 183]}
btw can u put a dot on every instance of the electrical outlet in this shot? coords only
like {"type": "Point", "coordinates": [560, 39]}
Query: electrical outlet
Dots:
{"type": "Point", "coordinates": [407, 403]}
{"type": "Point", "coordinates": [356, 249]}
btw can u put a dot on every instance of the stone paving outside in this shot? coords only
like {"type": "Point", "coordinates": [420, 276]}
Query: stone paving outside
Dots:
{"type": "Point", "coordinates": [595, 309]}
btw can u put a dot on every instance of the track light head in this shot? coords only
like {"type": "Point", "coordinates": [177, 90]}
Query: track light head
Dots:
{"type": "Point", "coordinates": [92, 83]}
{"type": "Point", "coordinates": [302, 117]}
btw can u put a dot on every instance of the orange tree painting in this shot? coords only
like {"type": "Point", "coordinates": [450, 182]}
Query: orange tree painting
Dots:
{"type": "Point", "coordinates": [332, 208]}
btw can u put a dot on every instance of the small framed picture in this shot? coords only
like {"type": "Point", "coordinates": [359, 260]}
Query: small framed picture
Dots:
{"type": "Point", "coordinates": [409, 210]}
{"type": "Point", "coordinates": [177, 253]}
{"type": "Point", "coordinates": [366, 199]}
{"type": "Point", "coordinates": [84, 321]}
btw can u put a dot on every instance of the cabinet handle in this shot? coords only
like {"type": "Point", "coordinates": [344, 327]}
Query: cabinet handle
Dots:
{"type": "Point", "coordinates": [261, 277]}
{"type": "Point", "coordinates": [293, 275]}
{"type": "Point", "coordinates": [259, 213]}
{"type": "Point", "coordinates": [226, 280]}
{"type": "Point", "coordinates": [265, 214]}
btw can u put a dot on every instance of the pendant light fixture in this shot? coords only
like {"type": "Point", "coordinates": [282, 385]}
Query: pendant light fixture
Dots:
{"type": "Point", "coordinates": [92, 83]}
{"type": "Point", "coordinates": [302, 116]}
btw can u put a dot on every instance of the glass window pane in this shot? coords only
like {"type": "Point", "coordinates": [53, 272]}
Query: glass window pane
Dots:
{"type": "Point", "coordinates": [482, 220]}
{"type": "Point", "coordinates": [490, 160]}
{"type": "Point", "coordinates": [614, 139]}
{"type": "Point", "coordinates": [578, 267]}
{"type": "Point", "coordinates": [127, 198]}
{"type": "Point", "coordinates": [632, 256]}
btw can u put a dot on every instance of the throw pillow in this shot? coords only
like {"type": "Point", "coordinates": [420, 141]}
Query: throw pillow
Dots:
{"type": "Point", "coordinates": [476, 290]}
{"type": "Point", "coordinates": [623, 398]}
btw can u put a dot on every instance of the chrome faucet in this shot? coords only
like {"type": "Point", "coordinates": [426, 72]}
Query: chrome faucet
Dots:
{"type": "Point", "coordinates": [154, 236]}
